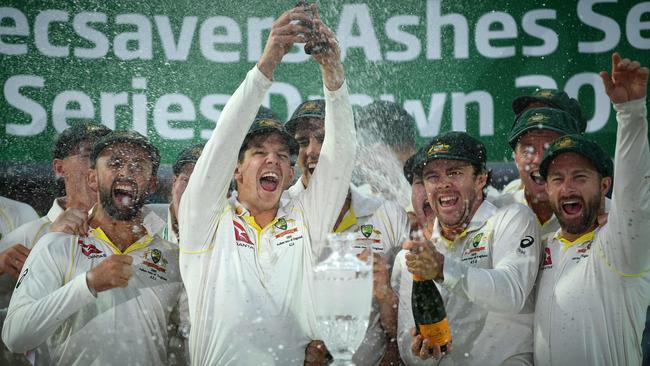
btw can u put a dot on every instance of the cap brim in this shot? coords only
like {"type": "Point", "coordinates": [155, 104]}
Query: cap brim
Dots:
{"type": "Point", "coordinates": [514, 138]}
{"type": "Point", "coordinates": [290, 141]}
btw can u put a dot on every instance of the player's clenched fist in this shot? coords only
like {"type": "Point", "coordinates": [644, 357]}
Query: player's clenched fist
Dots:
{"type": "Point", "coordinates": [13, 259]}
{"type": "Point", "coordinates": [114, 271]}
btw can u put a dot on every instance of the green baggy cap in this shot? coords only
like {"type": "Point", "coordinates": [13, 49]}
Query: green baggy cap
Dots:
{"type": "Point", "coordinates": [553, 98]}
{"type": "Point", "coordinates": [580, 145]}
{"type": "Point", "coordinates": [543, 119]}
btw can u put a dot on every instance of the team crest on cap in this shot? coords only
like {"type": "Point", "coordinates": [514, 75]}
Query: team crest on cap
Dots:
{"type": "Point", "coordinates": [366, 230]}
{"type": "Point", "coordinates": [438, 148]}
{"type": "Point", "coordinates": [281, 224]}
{"type": "Point", "coordinates": [309, 107]}
{"type": "Point", "coordinates": [477, 239]}
{"type": "Point", "coordinates": [537, 118]}
{"type": "Point", "coordinates": [545, 94]}
{"type": "Point", "coordinates": [266, 122]}
{"type": "Point", "coordinates": [565, 142]}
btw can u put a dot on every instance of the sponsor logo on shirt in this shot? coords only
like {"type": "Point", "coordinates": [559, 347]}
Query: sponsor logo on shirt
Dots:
{"type": "Point", "coordinates": [241, 236]}
{"type": "Point", "coordinates": [153, 258]}
{"type": "Point", "coordinates": [89, 250]}
{"type": "Point", "coordinates": [477, 250]}
{"type": "Point", "coordinates": [582, 252]}
{"type": "Point", "coordinates": [155, 264]}
{"type": "Point", "coordinates": [548, 261]}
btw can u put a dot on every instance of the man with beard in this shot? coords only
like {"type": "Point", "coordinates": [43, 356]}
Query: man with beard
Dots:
{"type": "Point", "coordinates": [483, 259]}
{"type": "Point", "coordinates": [247, 262]}
{"type": "Point", "coordinates": [371, 219]}
{"type": "Point", "coordinates": [532, 153]}
{"type": "Point", "coordinates": [104, 298]}
{"type": "Point", "coordinates": [594, 283]}
{"type": "Point", "coordinates": [531, 134]}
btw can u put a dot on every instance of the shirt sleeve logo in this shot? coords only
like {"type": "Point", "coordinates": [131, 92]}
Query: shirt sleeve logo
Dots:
{"type": "Point", "coordinates": [526, 242]}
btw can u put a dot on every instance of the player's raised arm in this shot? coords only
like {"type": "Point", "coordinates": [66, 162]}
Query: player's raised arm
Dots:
{"type": "Point", "coordinates": [329, 186]}
{"type": "Point", "coordinates": [205, 197]}
{"type": "Point", "coordinates": [628, 220]}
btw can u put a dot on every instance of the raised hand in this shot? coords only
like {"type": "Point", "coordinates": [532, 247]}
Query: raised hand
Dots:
{"type": "Point", "coordinates": [72, 221]}
{"type": "Point", "coordinates": [114, 271]}
{"type": "Point", "coordinates": [330, 58]}
{"type": "Point", "coordinates": [628, 80]}
{"type": "Point", "coordinates": [285, 31]}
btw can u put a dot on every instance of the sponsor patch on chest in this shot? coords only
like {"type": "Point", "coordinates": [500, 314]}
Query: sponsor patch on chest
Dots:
{"type": "Point", "coordinates": [582, 252]}
{"type": "Point", "coordinates": [90, 250]}
{"type": "Point", "coordinates": [547, 263]}
{"type": "Point", "coordinates": [241, 236]}
{"type": "Point", "coordinates": [477, 250]}
{"type": "Point", "coordinates": [286, 232]}
{"type": "Point", "coordinates": [369, 234]}
{"type": "Point", "coordinates": [154, 264]}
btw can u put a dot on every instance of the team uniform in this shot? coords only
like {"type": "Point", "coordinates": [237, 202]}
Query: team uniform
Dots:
{"type": "Point", "coordinates": [385, 226]}
{"type": "Point", "coordinates": [489, 273]}
{"type": "Point", "coordinates": [249, 288]}
{"type": "Point", "coordinates": [592, 294]}
{"type": "Point", "coordinates": [14, 214]}
{"type": "Point", "coordinates": [54, 313]}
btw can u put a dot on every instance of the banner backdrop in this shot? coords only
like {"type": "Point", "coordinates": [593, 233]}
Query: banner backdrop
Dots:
{"type": "Point", "coordinates": [166, 68]}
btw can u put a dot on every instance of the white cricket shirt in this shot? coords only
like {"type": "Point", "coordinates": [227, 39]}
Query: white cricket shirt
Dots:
{"type": "Point", "coordinates": [592, 293]}
{"type": "Point", "coordinates": [249, 288]}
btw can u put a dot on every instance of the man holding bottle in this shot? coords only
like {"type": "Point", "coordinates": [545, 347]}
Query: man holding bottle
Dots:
{"type": "Point", "coordinates": [483, 259]}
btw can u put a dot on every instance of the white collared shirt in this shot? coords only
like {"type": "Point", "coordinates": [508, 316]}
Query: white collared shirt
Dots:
{"type": "Point", "coordinates": [489, 273]}
{"type": "Point", "coordinates": [249, 288]}
{"type": "Point", "coordinates": [53, 311]}
{"type": "Point", "coordinates": [592, 294]}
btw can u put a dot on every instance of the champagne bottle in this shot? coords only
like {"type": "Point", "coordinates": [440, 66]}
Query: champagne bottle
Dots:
{"type": "Point", "coordinates": [429, 313]}
{"type": "Point", "coordinates": [429, 309]}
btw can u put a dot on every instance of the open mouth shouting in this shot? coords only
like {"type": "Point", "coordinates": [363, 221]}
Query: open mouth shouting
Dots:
{"type": "Point", "coordinates": [447, 201]}
{"type": "Point", "coordinates": [270, 181]}
{"type": "Point", "coordinates": [426, 208]}
{"type": "Point", "coordinates": [571, 207]}
{"type": "Point", "coordinates": [311, 166]}
{"type": "Point", "coordinates": [537, 178]}
{"type": "Point", "coordinates": [124, 192]}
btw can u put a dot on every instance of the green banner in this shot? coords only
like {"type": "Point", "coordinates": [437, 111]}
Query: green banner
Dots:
{"type": "Point", "coordinates": [166, 68]}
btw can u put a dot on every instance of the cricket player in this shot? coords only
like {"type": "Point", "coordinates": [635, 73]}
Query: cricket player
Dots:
{"type": "Point", "coordinates": [381, 223]}
{"type": "Point", "coordinates": [104, 298]}
{"type": "Point", "coordinates": [247, 262]}
{"type": "Point", "coordinates": [594, 283]}
{"type": "Point", "coordinates": [527, 154]}
{"type": "Point", "coordinates": [484, 261]}
{"type": "Point", "coordinates": [531, 134]}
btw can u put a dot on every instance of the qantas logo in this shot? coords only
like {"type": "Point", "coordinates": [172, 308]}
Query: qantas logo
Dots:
{"type": "Point", "coordinates": [89, 250]}
{"type": "Point", "coordinates": [548, 262]}
{"type": "Point", "coordinates": [241, 234]}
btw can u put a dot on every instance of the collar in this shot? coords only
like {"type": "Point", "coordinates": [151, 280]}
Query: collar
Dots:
{"type": "Point", "coordinates": [55, 210]}
{"type": "Point", "coordinates": [566, 243]}
{"type": "Point", "coordinates": [153, 223]}
{"type": "Point", "coordinates": [241, 211]}
{"type": "Point", "coordinates": [485, 211]}
{"type": "Point", "coordinates": [141, 243]}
